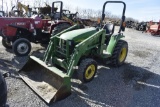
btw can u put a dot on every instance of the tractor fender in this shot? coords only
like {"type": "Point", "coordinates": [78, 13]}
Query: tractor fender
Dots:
{"type": "Point", "coordinates": [112, 43]}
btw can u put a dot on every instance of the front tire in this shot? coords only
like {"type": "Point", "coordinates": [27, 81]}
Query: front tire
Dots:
{"type": "Point", "coordinates": [6, 44]}
{"type": "Point", "coordinates": [21, 47]}
{"type": "Point", "coordinates": [120, 53]}
{"type": "Point", "coordinates": [3, 91]}
{"type": "Point", "coordinates": [87, 70]}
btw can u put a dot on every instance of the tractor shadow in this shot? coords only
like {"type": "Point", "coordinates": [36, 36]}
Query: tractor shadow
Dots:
{"type": "Point", "coordinates": [12, 66]}
{"type": "Point", "coordinates": [39, 53]}
{"type": "Point", "coordinates": [127, 85]}
{"type": "Point", "coordinates": [9, 50]}
{"type": "Point", "coordinates": [7, 67]}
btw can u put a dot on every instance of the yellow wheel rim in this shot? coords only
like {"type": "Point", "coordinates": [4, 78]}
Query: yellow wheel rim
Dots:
{"type": "Point", "coordinates": [123, 54]}
{"type": "Point", "coordinates": [90, 71]}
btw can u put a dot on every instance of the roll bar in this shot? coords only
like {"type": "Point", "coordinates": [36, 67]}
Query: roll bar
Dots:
{"type": "Point", "coordinates": [123, 13]}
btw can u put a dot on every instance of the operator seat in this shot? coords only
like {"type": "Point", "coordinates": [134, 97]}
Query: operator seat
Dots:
{"type": "Point", "coordinates": [109, 27]}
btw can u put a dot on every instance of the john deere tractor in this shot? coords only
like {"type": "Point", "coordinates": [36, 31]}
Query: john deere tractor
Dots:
{"type": "Point", "coordinates": [51, 77]}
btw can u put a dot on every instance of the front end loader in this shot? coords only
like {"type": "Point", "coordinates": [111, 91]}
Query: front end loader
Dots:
{"type": "Point", "coordinates": [50, 77]}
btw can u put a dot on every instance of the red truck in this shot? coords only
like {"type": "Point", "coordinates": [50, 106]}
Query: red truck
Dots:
{"type": "Point", "coordinates": [18, 33]}
{"type": "Point", "coordinates": [155, 29]}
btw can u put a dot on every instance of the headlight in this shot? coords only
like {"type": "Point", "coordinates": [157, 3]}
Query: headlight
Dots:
{"type": "Point", "coordinates": [71, 43]}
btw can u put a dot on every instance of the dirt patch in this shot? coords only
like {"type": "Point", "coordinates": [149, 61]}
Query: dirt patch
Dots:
{"type": "Point", "coordinates": [141, 54]}
{"type": "Point", "coordinates": [45, 88]}
{"type": "Point", "coordinates": [13, 91]}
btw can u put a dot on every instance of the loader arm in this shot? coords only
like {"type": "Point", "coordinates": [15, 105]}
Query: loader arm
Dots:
{"type": "Point", "coordinates": [20, 6]}
{"type": "Point", "coordinates": [71, 20]}
{"type": "Point", "coordinates": [49, 50]}
{"type": "Point", "coordinates": [67, 19]}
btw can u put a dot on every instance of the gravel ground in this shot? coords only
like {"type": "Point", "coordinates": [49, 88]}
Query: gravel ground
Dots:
{"type": "Point", "coordinates": [135, 84]}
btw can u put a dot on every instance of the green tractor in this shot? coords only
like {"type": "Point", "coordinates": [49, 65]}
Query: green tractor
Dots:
{"type": "Point", "coordinates": [76, 50]}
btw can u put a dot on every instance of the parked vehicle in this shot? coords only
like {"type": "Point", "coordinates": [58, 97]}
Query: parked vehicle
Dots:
{"type": "Point", "coordinates": [18, 32]}
{"type": "Point", "coordinates": [155, 29]}
{"type": "Point", "coordinates": [141, 26]}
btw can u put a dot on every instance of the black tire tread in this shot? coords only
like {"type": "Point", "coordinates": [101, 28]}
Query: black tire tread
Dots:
{"type": "Point", "coordinates": [5, 45]}
{"type": "Point", "coordinates": [82, 68]}
{"type": "Point", "coordinates": [114, 60]}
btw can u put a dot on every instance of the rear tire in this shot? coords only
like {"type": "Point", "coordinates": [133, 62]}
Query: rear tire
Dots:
{"type": "Point", "coordinates": [6, 44]}
{"type": "Point", "coordinates": [21, 47]}
{"type": "Point", "coordinates": [120, 53]}
{"type": "Point", "coordinates": [3, 91]}
{"type": "Point", "coordinates": [87, 70]}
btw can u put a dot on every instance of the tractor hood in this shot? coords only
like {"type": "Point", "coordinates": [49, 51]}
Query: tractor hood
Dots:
{"type": "Point", "coordinates": [78, 35]}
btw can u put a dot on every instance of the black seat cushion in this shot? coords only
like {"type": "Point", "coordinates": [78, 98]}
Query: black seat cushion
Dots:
{"type": "Point", "coordinates": [109, 27]}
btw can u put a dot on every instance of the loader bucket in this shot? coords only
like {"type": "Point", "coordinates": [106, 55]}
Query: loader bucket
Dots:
{"type": "Point", "coordinates": [50, 83]}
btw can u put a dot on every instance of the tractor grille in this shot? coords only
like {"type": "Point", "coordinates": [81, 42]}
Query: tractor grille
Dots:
{"type": "Point", "coordinates": [64, 49]}
{"type": "Point", "coordinates": [61, 49]}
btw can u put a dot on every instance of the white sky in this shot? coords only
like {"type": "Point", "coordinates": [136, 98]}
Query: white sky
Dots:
{"type": "Point", "coordinates": [143, 10]}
